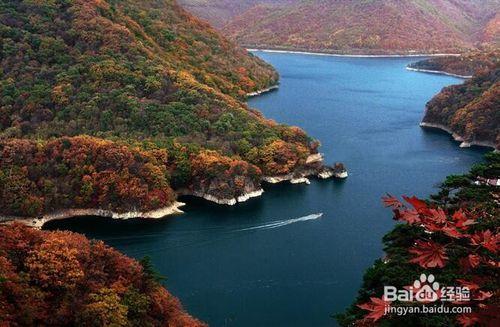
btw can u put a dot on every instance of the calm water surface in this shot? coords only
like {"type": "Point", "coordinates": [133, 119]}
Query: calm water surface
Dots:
{"type": "Point", "coordinates": [270, 262]}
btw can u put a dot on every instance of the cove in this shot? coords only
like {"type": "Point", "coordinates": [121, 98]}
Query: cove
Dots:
{"type": "Point", "coordinates": [296, 255]}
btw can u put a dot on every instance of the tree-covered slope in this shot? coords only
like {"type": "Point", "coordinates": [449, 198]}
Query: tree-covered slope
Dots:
{"type": "Point", "coordinates": [373, 26]}
{"type": "Point", "coordinates": [145, 74]}
{"type": "Point", "coordinates": [467, 64]}
{"type": "Point", "coordinates": [64, 279]}
{"type": "Point", "coordinates": [471, 110]}
{"type": "Point", "coordinates": [221, 12]}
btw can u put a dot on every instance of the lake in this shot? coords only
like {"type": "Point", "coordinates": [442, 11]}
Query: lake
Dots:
{"type": "Point", "coordinates": [275, 260]}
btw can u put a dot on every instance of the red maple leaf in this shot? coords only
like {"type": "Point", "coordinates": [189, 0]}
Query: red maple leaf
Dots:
{"type": "Point", "coordinates": [462, 220]}
{"type": "Point", "coordinates": [410, 216]}
{"type": "Point", "coordinates": [377, 307]}
{"type": "Point", "coordinates": [435, 220]}
{"type": "Point", "coordinates": [487, 240]}
{"type": "Point", "coordinates": [474, 260]}
{"type": "Point", "coordinates": [429, 254]}
{"type": "Point", "coordinates": [452, 232]}
{"type": "Point", "coordinates": [469, 262]}
{"type": "Point", "coordinates": [438, 216]}
{"type": "Point", "coordinates": [391, 201]}
{"type": "Point", "coordinates": [416, 203]}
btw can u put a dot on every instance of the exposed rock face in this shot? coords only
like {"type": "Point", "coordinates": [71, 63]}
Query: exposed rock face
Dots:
{"type": "Point", "coordinates": [38, 222]}
{"type": "Point", "coordinates": [277, 179]}
{"type": "Point", "coordinates": [342, 175]}
{"type": "Point", "coordinates": [325, 174]}
{"type": "Point", "coordinates": [266, 90]}
{"type": "Point", "coordinates": [314, 158]}
{"type": "Point", "coordinates": [458, 138]}
{"type": "Point", "coordinates": [228, 190]}
{"type": "Point", "coordinates": [340, 171]}
{"type": "Point", "coordinates": [314, 167]}
{"type": "Point", "coordinates": [301, 180]}
{"type": "Point", "coordinates": [228, 201]}
{"type": "Point", "coordinates": [440, 72]}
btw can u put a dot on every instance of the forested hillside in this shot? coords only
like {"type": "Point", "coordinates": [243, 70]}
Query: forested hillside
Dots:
{"type": "Point", "coordinates": [148, 75]}
{"type": "Point", "coordinates": [467, 64]}
{"type": "Point", "coordinates": [368, 27]}
{"type": "Point", "coordinates": [221, 12]}
{"type": "Point", "coordinates": [470, 110]}
{"type": "Point", "coordinates": [64, 279]}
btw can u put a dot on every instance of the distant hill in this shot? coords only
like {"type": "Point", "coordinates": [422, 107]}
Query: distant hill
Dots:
{"type": "Point", "coordinates": [345, 26]}
{"type": "Point", "coordinates": [221, 12]}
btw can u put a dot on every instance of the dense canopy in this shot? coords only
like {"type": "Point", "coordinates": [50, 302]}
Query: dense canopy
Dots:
{"type": "Point", "coordinates": [471, 110]}
{"type": "Point", "coordinates": [145, 74]}
{"type": "Point", "coordinates": [64, 279]}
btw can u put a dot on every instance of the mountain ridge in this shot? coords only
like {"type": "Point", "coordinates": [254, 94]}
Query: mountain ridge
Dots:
{"type": "Point", "coordinates": [350, 27]}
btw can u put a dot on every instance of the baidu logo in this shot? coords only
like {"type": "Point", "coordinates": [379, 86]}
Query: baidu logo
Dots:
{"type": "Point", "coordinates": [426, 289]}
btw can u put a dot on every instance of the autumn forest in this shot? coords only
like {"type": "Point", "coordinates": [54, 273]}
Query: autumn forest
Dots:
{"type": "Point", "coordinates": [127, 109]}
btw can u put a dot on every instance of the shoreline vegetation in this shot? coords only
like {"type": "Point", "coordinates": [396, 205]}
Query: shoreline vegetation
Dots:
{"type": "Point", "coordinates": [468, 111]}
{"type": "Point", "coordinates": [325, 53]}
{"type": "Point", "coordinates": [61, 278]}
{"type": "Point", "coordinates": [315, 161]}
{"type": "Point", "coordinates": [466, 65]}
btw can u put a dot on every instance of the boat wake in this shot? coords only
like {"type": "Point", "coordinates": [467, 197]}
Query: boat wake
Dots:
{"type": "Point", "coordinates": [281, 223]}
{"type": "Point", "coordinates": [187, 240]}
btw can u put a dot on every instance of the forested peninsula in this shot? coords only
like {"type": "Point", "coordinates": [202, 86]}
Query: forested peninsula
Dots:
{"type": "Point", "coordinates": [464, 65]}
{"type": "Point", "coordinates": [468, 111]}
{"type": "Point", "coordinates": [118, 106]}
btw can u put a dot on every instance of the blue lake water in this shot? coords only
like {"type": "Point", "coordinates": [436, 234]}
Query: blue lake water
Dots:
{"type": "Point", "coordinates": [270, 262]}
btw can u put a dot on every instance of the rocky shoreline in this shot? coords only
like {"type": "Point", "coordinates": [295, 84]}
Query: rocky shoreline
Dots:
{"type": "Point", "coordinates": [440, 72]}
{"type": "Point", "coordinates": [313, 167]}
{"type": "Point", "coordinates": [303, 178]}
{"type": "Point", "coordinates": [322, 172]}
{"type": "Point", "coordinates": [266, 90]}
{"type": "Point", "coordinates": [458, 138]}
{"type": "Point", "coordinates": [38, 222]}
{"type": "Point", "coordinates": [226, 201]}
{"type": "Point", "coordinates": [403, 55]}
